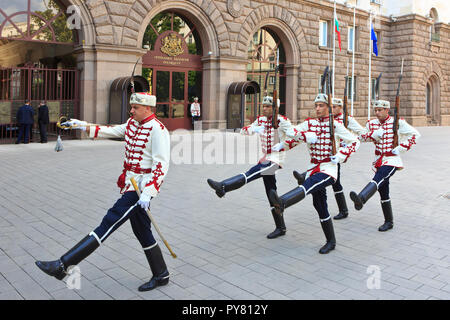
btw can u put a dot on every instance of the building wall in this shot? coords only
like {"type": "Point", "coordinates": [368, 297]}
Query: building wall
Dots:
{"type": "Point", "coordinates": [226, 28]}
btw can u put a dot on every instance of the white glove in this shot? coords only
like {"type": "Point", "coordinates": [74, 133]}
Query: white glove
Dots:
{"type": "Point", "coordinates": [336, 159]}
{"type": "Point", "coordinates": [311, 137]}
{"type": "Point", "coordinates": [277, 147]}
{"type": "Point", "coordinates": [75, 124]}
{"type": "Point", "coordinates": [378, 134]}
{"type": "Point", "coordinates": [144, 201]}
{"type": "Point", "coordinates": [397, 150]}
{"type": "Point", "coordinates": [258, 129]}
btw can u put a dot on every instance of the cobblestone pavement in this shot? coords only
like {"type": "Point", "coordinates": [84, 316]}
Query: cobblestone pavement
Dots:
{"type": "Point", "coordinates": [49, 201]}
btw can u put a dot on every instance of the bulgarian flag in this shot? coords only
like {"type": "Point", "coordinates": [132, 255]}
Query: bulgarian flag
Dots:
{"type": "Point", "coordinates": [336, 29]}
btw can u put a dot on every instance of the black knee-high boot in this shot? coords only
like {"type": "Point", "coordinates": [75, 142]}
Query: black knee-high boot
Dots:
{"type": "Point", "coordinates": [388, 217]}
{"type": "Point", "coordinates": [342, 205]}
{"type": "Point", "coordinates": [280, 227]}
{"type": "Point", "coordinates": [361, 198]}
{"type": "Point", "coordinates": [301, 177]}
{"type": "Point", "coordinates": [79, 252]}
{"type": "Point", "coordinates": [159, 269]}
{"type": "Point", "coordinates": [328, 230]}
{"type": "Point", "coordinates": [227, 185]}
{"type": "Point", "coordinates": [286, 200]}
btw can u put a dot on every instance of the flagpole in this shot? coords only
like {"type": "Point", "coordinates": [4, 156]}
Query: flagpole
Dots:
{"type": "Point", "coordinates": [370, 66]}
{"type": "Point", "coordinates": [353, 56]}
{"type": "Point", "coordinates": [334, 43]}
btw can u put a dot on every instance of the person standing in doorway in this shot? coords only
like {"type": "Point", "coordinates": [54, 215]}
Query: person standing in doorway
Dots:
{"type": "Point", "coordinates": [195, 111]}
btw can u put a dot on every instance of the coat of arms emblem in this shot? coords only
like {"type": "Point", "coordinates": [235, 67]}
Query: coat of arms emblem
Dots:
{"type": "Point", "coordinates": [171, 45]}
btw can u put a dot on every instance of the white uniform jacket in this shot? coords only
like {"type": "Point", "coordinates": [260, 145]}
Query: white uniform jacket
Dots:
{"type": "Point", "coordinates": [267, 137]}
{"type": "Point", "coordinates": [195, 109]}
{"type": "Point", "coordinates": [352, 124]}
{"type": "Point", "coordinates": [147, 152]}
{"type": "Point", "coordinates": [384, 145]}
{"type": "Point", "coordinates": [321, 151]}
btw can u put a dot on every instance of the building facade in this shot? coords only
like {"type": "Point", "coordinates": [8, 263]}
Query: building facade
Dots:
{"type": "Point", "coordinates": [205, 45]}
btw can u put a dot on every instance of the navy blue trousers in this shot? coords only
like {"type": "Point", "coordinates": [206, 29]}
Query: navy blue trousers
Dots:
{"type": "Point", "coordinates": [316, 186]}
{"type": "Point", "coordinates": [43, 131]}
{"type": "Point", "coordinates": [265, 170]}
{"type": "Point", "coordinates": [381, 179]}
{"type": "Point", "coordinates": [24, 132]}
{"type": "Point", "coordinates": [119, 213]}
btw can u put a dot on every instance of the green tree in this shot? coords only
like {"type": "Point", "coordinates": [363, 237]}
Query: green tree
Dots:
{"type": "Point", "coordinates": [161, 22]}
{"type": "Point", "coordinates": [59, 25]}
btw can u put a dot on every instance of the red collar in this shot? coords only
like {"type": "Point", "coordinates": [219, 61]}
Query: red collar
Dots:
{"type": "Point", "coordinates": [388, 117]}
{"type": "Point", "coordinates": [338, 115]}
{"type": "Point", "coordinates": [153, 116]}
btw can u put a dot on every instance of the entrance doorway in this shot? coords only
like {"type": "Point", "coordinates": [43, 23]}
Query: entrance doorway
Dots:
{"type": "Point", "coordinates": [265, 52]}
{"type": "Point", "coordinates": [173, 67]}
{"type": "Point", "coordinates": [433, 101]}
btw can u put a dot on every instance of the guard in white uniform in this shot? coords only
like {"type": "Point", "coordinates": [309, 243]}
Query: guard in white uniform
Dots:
{"type": "Point", "coordinates": [323, 170]}
{"type": "Point", "coordinates": [354, 127]}
{"type": "Point", "coordinates": [147, 156]}
{"type": "Point", "coordinates": [271, 161]}
{"type": "Point", "coordinates": [195, 111]}
{"type": "Point", "coordinates": [380, 131]}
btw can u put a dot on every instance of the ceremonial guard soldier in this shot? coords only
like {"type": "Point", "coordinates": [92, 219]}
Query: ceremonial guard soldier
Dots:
{"type": "Point", "coordinates": [147, 156]}
{"type": "Point", "coordinates": [323, 170]}
{"type": "Point", "coordinates": [267, 166]}
{"type": "Point", "coordinates": [381, 131]}
{"type": "Point", "coordinates": [354, 127]}
{"type": "Point", "coordinates": [195, 111]}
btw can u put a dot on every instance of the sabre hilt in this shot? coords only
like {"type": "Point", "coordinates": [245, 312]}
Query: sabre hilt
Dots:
{"type": "Point", "coordinates": [63, 119]}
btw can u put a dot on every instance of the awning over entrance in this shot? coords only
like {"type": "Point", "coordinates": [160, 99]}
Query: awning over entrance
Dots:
{"type": "Point", "coordinates": [119, 97]}
{"type": "Point", "coordinates": [236, 106]}
{"type": "Point", "coordinates": [244, 87]}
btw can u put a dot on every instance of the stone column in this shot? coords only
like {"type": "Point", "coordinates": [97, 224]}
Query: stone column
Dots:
{"type": "Point", "coordinates": [100, 65]}
{"type": "Point", "coordinates": [218, 74]}
{"type": "Point", "coordinates": [291, 91]}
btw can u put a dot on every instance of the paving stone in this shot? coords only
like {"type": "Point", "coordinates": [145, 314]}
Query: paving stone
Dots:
{"type": "Point", "coordinates": [222, 249]}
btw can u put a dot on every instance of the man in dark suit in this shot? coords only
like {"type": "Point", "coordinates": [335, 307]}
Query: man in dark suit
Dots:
{"type": "Point", "coordinates": [43, 121]}
{"type": "Point", "coordinates": [24, 118]}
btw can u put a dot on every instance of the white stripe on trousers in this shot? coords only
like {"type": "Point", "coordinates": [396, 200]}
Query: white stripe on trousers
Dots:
{"type": "Point", "coordinates": [312, 187]}
{"type": "Point", "coordinates": [124, 215]}
{"type": "Point", "coordinates": [260, 171]}
{"type": "Point", "coordinates": [387, 177]}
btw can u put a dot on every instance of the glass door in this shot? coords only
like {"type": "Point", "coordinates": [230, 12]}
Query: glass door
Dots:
{"type": "Point", "coordinates": [171, 90]}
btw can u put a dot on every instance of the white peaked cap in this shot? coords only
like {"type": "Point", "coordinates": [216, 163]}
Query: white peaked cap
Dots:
{"type": "Point", "coordinates": [267, 100]}
{"type": "Point", "coordinates": [321, 97]}
{"type": "Point", "coordinates": [143, 98]}
{"type": "Point", "coordinates": [381, 104]}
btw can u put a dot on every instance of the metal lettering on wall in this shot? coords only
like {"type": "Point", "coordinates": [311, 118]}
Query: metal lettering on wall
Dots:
{"type": "Point", "coordinates": [173, 61]}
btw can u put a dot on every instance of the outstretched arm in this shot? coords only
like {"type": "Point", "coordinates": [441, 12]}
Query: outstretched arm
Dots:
{"type": "Point", "coordinates": [351, 143]}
